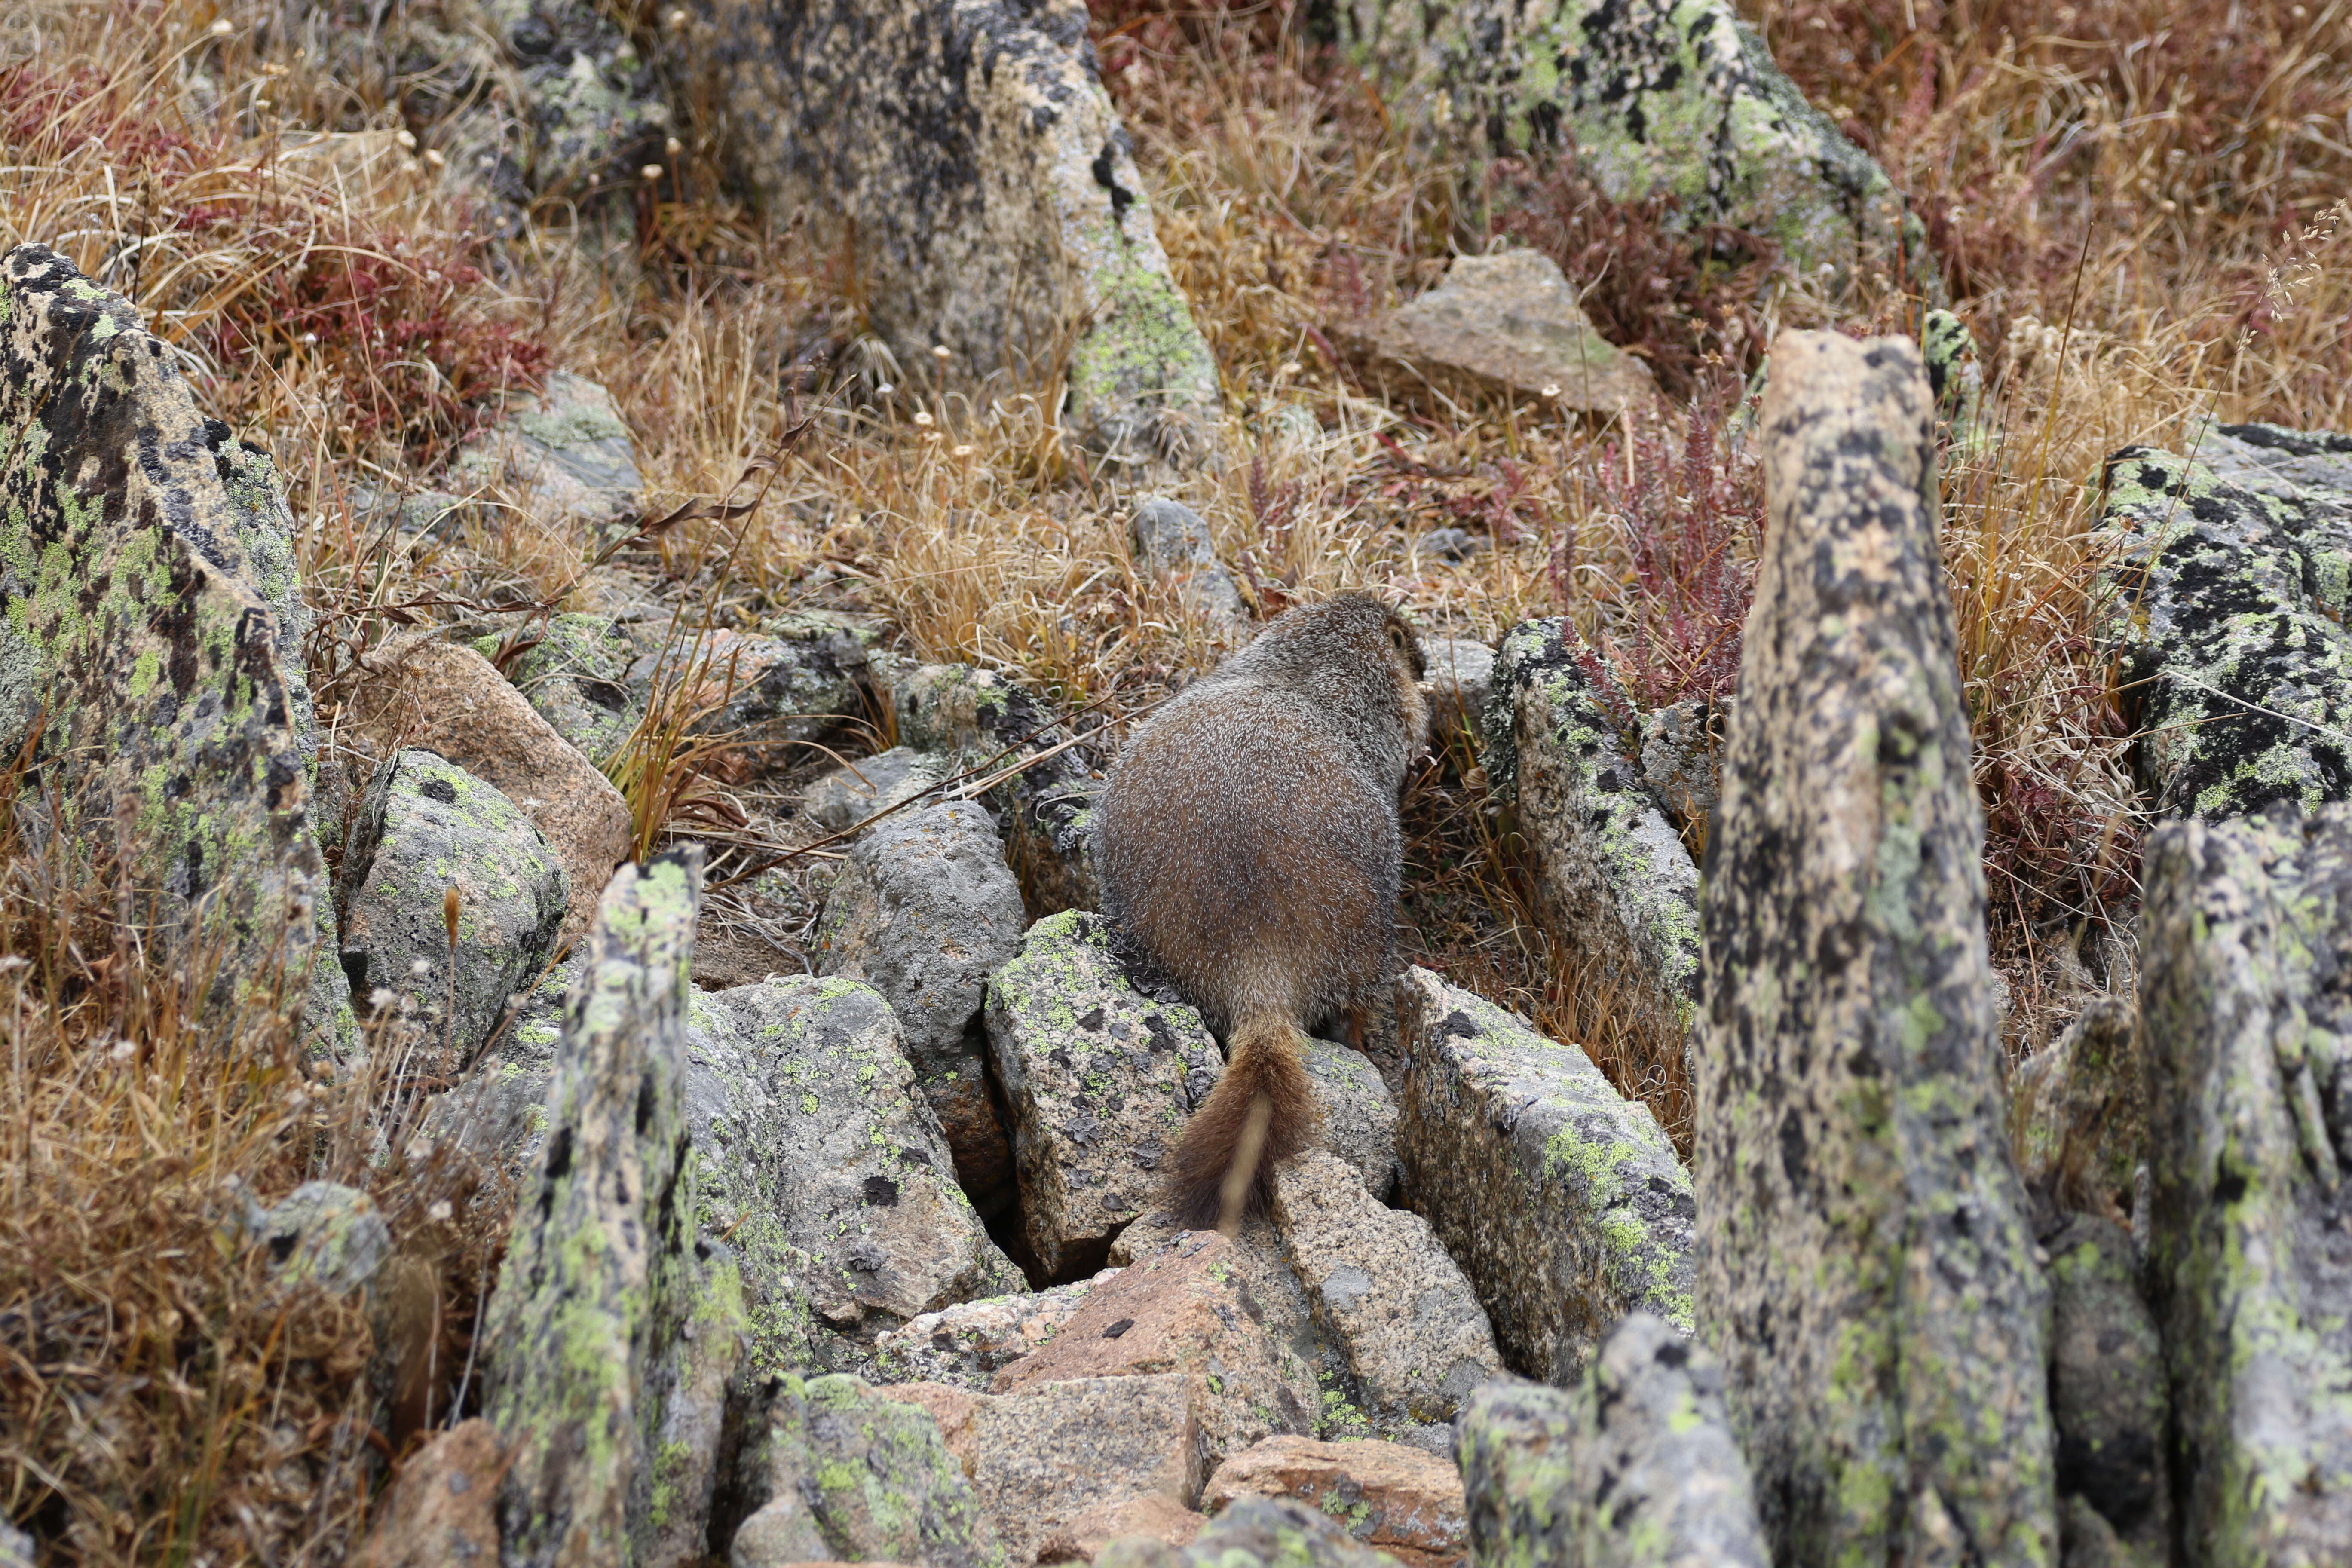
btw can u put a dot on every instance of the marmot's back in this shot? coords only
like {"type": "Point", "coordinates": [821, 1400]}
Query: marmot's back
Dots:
{"type": "Point", "coordinates": [1247, 837]}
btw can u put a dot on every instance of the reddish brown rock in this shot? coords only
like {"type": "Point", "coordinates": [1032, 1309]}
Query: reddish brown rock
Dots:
{"type": "Point", "coordinates": [442, 1511]}
{"type": "Point", "coordinates": [1396, 1499]}
{"type": "Point", "coordinates": [1152, 1516]}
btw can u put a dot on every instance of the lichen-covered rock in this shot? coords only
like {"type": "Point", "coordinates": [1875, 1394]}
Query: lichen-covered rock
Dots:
{"type": "Point", "coordinates": [1956, 377]}
{"type": "Point", "coordinates": [991, 195]}
{"type": "Point", "coordinates": [425, 828]}
{"type": "Point", "coordinates": [804, 679]}
{"type": "Point", "coordinates": [1401, 1501]}
{"type": "Point", "coordinates": [1097, 1076]}
{"type": "Point", "coordinates": [2311, 468]}
{"type": "Point", "coordinates": [1615, 877]}
{"type": "Point", "coordinates": [1047, 806]}
{"type": "Point", "coordinates": [1171, 542]}
{"type": "Point", "coordinates": [1677, 97]}
{"type": "Point", "coordinates": [1633, 1467]}
{"type": "Point", "coordinates": [2080, 1117]}
{"type": "Point", "coordinates": [1682, 747]}
{"type": "Point", "coordinates": [1043, 1459]}
{"type": "Point", "coordinates": [837, 1473]}
{"type": "Point", "coordinates": [1184, 1309]}
{"type": "Point", "coordinates": [924, 910]}
{"type": "Point", "coordinates": [451, 700]}
{"type": "Point", "coordinates": [1359, 1118]}
{"type": "Point", "coordinates": [2225, 605]}
{"type": "Point", "coordinates": [2243, 1015]}
{"type": "Point", "coordinates": [2107, 1385]}
{"type": "Point", "coordinates": [824, 1165]}
{"type": "Point", "coordinates": [563, 451]}
{"type": "Point", "coordinates": [143, 586]}
{"type": "Point", "coordinates": [597, 1263]}
{"type": "Point", "coordinates": [1869, 1276]}
{"type": "Point", "coordinates": [1254, 1533]}
{"type": "Point", "coordinates": [1507, 325]}
{"type": "Point", "coordinates": [1461, 682]}
{"type": "Point", "coordinates": [1560, 1198]}
{"type": "Point", "coordinates": [322, 1234]}
{"type": "Point", "coordinates": [1415, 1339]}
{"type": "Point", "coordinates": [965, 1345]}
{"type": "Point", "coordinates": [575, 678]}
{"type": "Point", "coordinates": [840, 800]}
{"type": "Point", "coordinates": [694, 1383]}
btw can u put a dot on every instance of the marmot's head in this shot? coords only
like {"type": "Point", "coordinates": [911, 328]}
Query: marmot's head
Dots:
{"type": "Point", "coordinates": [1353, 654]}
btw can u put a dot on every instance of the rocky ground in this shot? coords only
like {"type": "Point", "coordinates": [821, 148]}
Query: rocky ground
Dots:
{"type": "Point", "coordinates": [571, 572]}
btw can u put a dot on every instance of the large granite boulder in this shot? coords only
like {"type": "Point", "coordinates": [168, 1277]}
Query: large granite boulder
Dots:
{"type": "Point", "coordinates": [152, 635]}
{"type": "Point", "coordinates": [2243, 929]}
{"type": "Point", "coordinates": [989, 195]}
{"type": "Point", "coordinates": [1869, 1276]}
{"type": "Point", "coordinates": [1561, 1199]}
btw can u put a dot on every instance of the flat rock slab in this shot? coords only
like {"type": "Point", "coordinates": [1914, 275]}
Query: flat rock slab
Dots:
{"type": "Point", "coordinates": [817, 1145]}
{"type": "Point", "coordinates": [1561, 1199]}
{"type": "Point", "coordinates": [1506, 324]}
{"type": "Point", "coordinates": [1185, 1309]}
{"type": "Point", "coordinates": [145, 629]}
{"type": "Point", "coordinates": [2226, 604]}
{"type": "Point", "coordinates": [1415, 1339]}
{"type": "Point", "coordinates": [1399, 1500]}
{"type": "Point", "coordinates": [427, 828]}
{"type": "Point", "coordinates": [1633, 1467]}
{"type": "Point", "coordinates": [1097, 1076]}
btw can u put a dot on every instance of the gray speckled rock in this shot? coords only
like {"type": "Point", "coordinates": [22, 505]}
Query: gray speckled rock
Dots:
{"type": "Point", "coordinates": [1614, 876]}
{"type": "Point", "coordinates": [2242, 930]}
{"type": "Point", "coordinates": [425, 826]}
{"type": "Point", "coordinates": [806, 677]}
{"type": "Point", "coordinates": [1634, 1467]}
{"type": "Point", "coordinates": [1956, 377]}
{"type": "Point", "coordinates": [497, 1112]}
{"type": "Point", "coordinates": [136, 543]}
{"type": "Point", "coordinates": [2311, 468]}
{"type": "Point", "coordinates": [1869, 1276]}
{"type": "Point", "coordinates": [1415, 1339]}
{"type": "Point", "coordinates": [1255, 1532]}
{"type": "Point", "coordinates": [1673, 97]}
{"type": "Point", "coordinates": [2107, 1397]}
{"type": "Point", "coordinates": [575, 677]}
{"type": "Point", "coordinates": [2225, 605]}
{"type": "Point", "coordinates": [1171, 542]}
{"type": "Point", "coordinates": [1682, 747]}
{"type": "Point", "coordinates": [824, 1167]}
{"type": "Point", "coordinates": [834, 1472]}
{"type": "Point", "coordinates": [965, 1345]}
{"type": "Point", "coordinates": [695, 1385]}
{"type": "Point", "coordinates": [1098, 1079]}
{"type": "Point", "coordinates": [322, 1234]}
{"type": "Point", "coordinates": [1047, 810]}
{"type": "Point", "coordinates": [924, 910]}
{"type": "Point", "coordinates": [563, 451]}
{"type": "Point", "coordinates": [1561, 1199]}
{"type": "Point", "coordinates": [1360, 1118]}
{"type": "Point", "coordinates": [840, 800]}
{"type": "Point", "coordinates": [15, 1548]}
{"type": "Point", "coordinates": [991, 195]}
{"type": "Point", "coordinates": [1461, 682]}
{"type": "Point", "coordinates": [598, 1268]}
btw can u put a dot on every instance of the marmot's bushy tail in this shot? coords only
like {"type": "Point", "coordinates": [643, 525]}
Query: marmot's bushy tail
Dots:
{"type": "Point", "coordinates": [1260, 1113]}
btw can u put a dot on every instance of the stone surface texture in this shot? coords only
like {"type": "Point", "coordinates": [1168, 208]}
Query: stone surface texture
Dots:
{"type": "Point", "coordinates": [442, 1509]}
{"type": "Point", "coordinates": [597, 1265]}
{"type": "Point", "coordinates": [452, 700]}
{"type": "Point", "coordinates": [1614, 876]}
{"type": "Point", "coordinates": [1097, 1078]}
{"type": "Point", "coordinates": [2107, 1395]}
{"type": "Point", "coordinates": [1046, 779]}
{"type": "Point", "coordinates": [965, 1345]}
{"type": "Point", "coordinates": [1682, 751]}
{"type": "Point", "coordinates": [806, 676]}
{"type": "Point", "coordinates": [497, 1112]}
{"type": "Point", "coordinates": [2243, 927]}
{"type": "Point", "coordinates": [1359, 1119]}
{"type": "Point", "coordinates": [562, 451]}
{"type": "Point", "coordinates": [1561, 1199]}
{"type": "Point", "coordinates": [989, 199]}
{"type": "Point", "coordinates": [2080, 1117]}
{"type": "Point", "coordinates": [1414, 1338]}
{"type": "Point", "coordinates": [1170, 542]}
{"type": "Point", "coordinates": [1257, 1258]}
{"type": "Point", "coordinates": [1506, 324]}
{"type": "Point", "coordinates": [1399, 1500]}
{"type": "Point", "coordinates": [1185, 1309]}
{"type": "Point", "coordinates": [840, 800]}
{"type": "Point", "coordinates": [1253, 1531]}
{"type": "Point", "coordinates": [424, 828]}
{"type": "Point", "coordinates": [1869, 1276]}
{"type": "Point", "coordinates": [2225, 605]}
{"type": "Point", "coordinates": [1461, 682]}
{"type": "Point", "coordinates": [574, 677]}
{"type": "Point", "coordinates": [825, 1166]}
{"type": "Point", "coordinates": [1633, 1467]}
{"type": "Point", "coordinates": [924, 910]}
{"type": "Point", "coordinates": [144, 628]}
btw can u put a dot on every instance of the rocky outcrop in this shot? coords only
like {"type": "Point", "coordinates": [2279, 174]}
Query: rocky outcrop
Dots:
{"type": "Point", "coordinates": [1561, 1199]}
{"type": "Point", "coordinates": [599, 1272]}
{"type": "Point", "coordinates": [1655, 99]}
{"type": "Point", "coordinates": [1869, 1276]}
{"type": "Point", "coordinates": [1045, 780]}
{"type": "Point", "coordinates": [2225, 605]}
{"type": "Point", "coordinates": [924, 910]}
{"type": "Point", "coordinates": [1099, 1078]}
{"type": "Point", "coordinates": [839, 800]}
{"type": "Point", "coordinates": [1385, 1294]}
{"type": "Point", "coordinates": [1359, 1119]}
{"type": "Point", "coordinates": [150, 647]}
{"type": "Point", "coordinates": [1502, 325]}
{"type": "Point", "coordinates": [562, 453]}
{"type": "Point", "coordinates": [2243, 927]}
{"type": "Point", "coordinates": [987, 200]}
{"type": "Point", "coordinates": [1633, 1467]}
{"type": "Point", "coordinates": [427, 829]}
{"type": "Point", "coordinates": [1400, 1501]}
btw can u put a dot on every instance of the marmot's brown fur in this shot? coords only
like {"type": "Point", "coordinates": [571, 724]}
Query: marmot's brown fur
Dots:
{"type": "Point", "coordinates": [1247, 838]}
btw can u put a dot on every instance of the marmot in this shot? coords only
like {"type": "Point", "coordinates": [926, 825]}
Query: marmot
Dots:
{"type": "Point", "coordinates": [1247, 839]}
